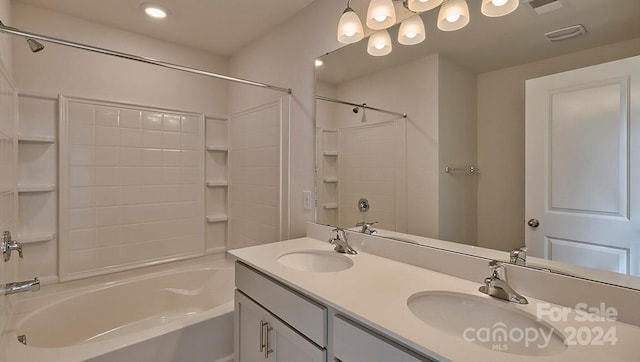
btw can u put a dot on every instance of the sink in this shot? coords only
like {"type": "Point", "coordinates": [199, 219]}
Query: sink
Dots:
{"type": "Point", "coordinates": [316, 261]}
{"type": "Point", "coordinates": [490, 323]}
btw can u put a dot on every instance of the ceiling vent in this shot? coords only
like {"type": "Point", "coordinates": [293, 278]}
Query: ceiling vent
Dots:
{"type": "Point", "coordinates": [566, 33]}
{"type": "Point", "coordinates": [545, 6]}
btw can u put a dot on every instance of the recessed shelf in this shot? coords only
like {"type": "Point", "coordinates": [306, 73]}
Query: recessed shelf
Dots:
{"type": "Point", "coordinates": [35, 139]}
{"type": "Point", "coordinates": [36, 188]}
{"type": "Point", "coordinates": [331, 206]}
{"type": "Point", "coordinates": [217, 184]}
{"type": "Point", "coordinates": [330, 180]}
{"type": "Point", "coordinates": [31, 238]}
{"type": "Point", "coordinates": [217, 148]}
{"type": "Point", "coordinates": [331, 153]}
{"type": "Point", "coordinates": [216, 218]}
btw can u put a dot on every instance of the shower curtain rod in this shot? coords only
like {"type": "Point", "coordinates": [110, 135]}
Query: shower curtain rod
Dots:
{"type": "Point", "coordinates": [363, 105]}
{"type": "Point", "coordinates": [28, 35]}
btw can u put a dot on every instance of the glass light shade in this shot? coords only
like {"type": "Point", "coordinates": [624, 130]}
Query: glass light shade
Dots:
{"type": "Point", "coordinates": [454, 15]}
{"type": "Point", "coordinates": [495, 8]}
{"type": "Point", "coordinates": [350, 28]}
{"type": "Point", "coordinates": [381, 14]}
{"type": "Point", "coordinates": [423, 5]}
{"type": "Point", "coordinates": [379, 43]}
{"type": "Point", "coordinates": [411, 31]}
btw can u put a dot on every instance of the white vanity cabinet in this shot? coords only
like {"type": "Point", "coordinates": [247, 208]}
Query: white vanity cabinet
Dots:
{"type": "Point", "coordinates": [274, 323]}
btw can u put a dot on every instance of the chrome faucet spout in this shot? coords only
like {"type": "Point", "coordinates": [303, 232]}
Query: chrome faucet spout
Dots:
{"type": "Point", "coordinates": [340, 242]}
{"type": "Point", "coordinates": [367, 227]}
{"type": "Point", "coordinates": [19, 287]}
{"type": "Point", "coordinates": [496, 284]}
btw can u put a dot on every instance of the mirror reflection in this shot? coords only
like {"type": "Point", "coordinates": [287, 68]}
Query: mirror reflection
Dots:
{"type": "Point", "coordinates": [462, 166]}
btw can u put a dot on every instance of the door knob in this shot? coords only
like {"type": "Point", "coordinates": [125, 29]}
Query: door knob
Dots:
{"type": "Point", "coordinates": [534, 223]}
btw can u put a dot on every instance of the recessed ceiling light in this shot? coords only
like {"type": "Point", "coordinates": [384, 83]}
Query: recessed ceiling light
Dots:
{"type": "Point", "coordinates": [154, 11]}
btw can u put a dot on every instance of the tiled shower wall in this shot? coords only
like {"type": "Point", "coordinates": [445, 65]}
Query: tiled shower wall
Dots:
{"type": "Point", "coordinates": [255, 175]}
{"type": "Point", "coordinates": [8, 183]}
{"type": "Point", "coordinates": [131, 188]}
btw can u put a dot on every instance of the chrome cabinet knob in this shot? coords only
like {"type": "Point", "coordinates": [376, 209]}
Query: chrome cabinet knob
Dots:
{"type": "Point", "coordinates": [534, 223]}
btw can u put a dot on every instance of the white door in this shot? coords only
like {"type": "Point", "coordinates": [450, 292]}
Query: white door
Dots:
{"type": "Point", "coordinates": [583, 166]}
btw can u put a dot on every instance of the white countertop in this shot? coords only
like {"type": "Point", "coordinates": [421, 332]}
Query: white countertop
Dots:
{"type": "Point", "coordinates": [375, 291]}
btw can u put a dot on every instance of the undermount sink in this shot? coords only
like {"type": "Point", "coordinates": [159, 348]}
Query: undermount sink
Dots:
{"type": "Point", "coordinates": [316, 261]}
{"type": "Point", "coordinates": [493, 324]}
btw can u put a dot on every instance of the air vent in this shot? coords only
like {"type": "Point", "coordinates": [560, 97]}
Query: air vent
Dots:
{"type": "Point", "coordinates": [545, 6]}
{"type": "Point", "coordinates": [566, 33]}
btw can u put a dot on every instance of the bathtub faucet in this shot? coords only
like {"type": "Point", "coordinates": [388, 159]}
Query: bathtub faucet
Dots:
{"type": "Point", "coordinates": [19, 287]}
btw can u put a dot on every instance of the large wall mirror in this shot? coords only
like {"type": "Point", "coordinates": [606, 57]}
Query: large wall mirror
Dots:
{"type": "Point", "coordinates": [457, 168]}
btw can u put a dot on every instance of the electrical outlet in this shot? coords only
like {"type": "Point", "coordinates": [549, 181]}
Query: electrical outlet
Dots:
{"type": "Point", "coordinates": [306, 199]}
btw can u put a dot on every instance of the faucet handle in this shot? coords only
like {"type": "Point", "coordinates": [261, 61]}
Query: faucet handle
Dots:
{"type": "Point", "coordinates": [495, 268]}
{"type": "Point", "coordinates": [7, 245]}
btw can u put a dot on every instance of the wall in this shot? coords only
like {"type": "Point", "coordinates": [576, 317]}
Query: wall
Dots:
{"type": "Point", "coordinates": [72, 72]}
{"type": "Point", "coordinates": [285, 57]}
{"type": "Point", "coordinates": [501, 104]}
{"type": "Point", "coordinates": [457, 147]}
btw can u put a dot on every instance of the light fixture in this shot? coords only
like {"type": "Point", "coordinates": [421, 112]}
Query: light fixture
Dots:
{"type": "Point", "coordinates": [419, 6]}
{"type": "Point", "coordinates": [349, 28]}
{"type": "Point", "coordinates": [379, 43]}
{"type": "Point", "coordinates": [411, 31]}
{"type": "Point", "coordinates": [319, 63]}
{"type": "Point", "coordinates": [381, 14]}
{"type": "Point", "coordinates": [154, 11]}
{"type": "Point", "coordinates": [454, 15]}
{"type": "Point", "coordinates": [495, 8]}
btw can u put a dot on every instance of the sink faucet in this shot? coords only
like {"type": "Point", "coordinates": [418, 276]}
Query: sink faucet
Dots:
{"type": "Point", "coordinates": [19, 287]}
{"type": "Point", "coordinates": [340, 241]}
{"type": "Point", "coordinates": [496, 284]}
{"type": "Point", "coordinates": [367, 227]}
{"type": "Point", "coordinates": [518, 256]}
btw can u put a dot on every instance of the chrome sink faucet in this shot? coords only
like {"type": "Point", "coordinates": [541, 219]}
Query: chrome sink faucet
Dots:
{"type": "Point", "coordinates": [340, 242]}
{"type": "Point", "coordinates": [496, 284]}
{"type": "Point", "coordinates": [519, 256]}
{"type": "Point", "coordinates": [19, 287]}
{"type": "Point", "coordinates": [367, 227]}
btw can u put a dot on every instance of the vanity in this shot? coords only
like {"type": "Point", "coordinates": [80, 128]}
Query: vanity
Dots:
{"type": "Point", "coordinates": [298, 300]}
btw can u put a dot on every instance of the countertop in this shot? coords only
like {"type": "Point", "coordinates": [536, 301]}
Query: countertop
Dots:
{"type": "Point", "coordinates": [375, 291]}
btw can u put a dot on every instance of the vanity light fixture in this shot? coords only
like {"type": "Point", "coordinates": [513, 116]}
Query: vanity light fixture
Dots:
{"type": "Point", "coordinates": [154, 11]}
{"type": "Point", "coordinates": [454, 15]}
{"type": "Point", "coordinates": [411, 31]}
{"type": "Point", "coordinates": [381, 14]}
{"type": "Point", "coordinates": [319, 63]}
{"type": "Point", "coordinates": [379, 43]}
{"type": "Point", "coordinates": [495, 8]}
{"type": "Point", "coordinates": [349, 28]}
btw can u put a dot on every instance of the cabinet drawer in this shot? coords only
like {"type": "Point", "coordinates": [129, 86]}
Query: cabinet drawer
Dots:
{"type": "Point", "coordinates": [301, 313]}
{"type": "Point", "coordinates": [352, 343]}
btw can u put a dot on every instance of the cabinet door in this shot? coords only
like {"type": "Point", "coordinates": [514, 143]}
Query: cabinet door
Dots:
{"type": "Point", "coordinates": [260, 336]}
{"type": "Point", "coordinates": [354, 344]}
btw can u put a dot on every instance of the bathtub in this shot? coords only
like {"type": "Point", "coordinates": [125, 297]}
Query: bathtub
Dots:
{"type": "Point", "coordinates": [176, 312]}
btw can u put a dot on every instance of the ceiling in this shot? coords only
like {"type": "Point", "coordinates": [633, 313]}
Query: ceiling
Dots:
{"type": "Point", "coordinates": [493, 43]}
{"type": "Point", "coordinates": [218, 26]}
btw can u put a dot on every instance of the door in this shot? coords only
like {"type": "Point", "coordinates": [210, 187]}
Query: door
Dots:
{"type": "Point", "coordinates": [260, 336]}
{"type": "Point", "coordinates": [582, 166]}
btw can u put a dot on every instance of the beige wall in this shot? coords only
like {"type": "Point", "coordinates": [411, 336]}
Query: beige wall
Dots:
{"type": "Point", "coordinates": [69, 71]}
{"type": "Point", "coordinates": [457, 147]}
{"type": "Point", "coordinates": [501, 104]}
{"type": "Point", "coordinates": [285, 57]}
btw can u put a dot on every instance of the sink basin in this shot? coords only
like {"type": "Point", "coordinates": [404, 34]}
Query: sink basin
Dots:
{"type": "Point", "coordinates": [316, 261]}
{"type": "Point", "coordinates": [490, 323]}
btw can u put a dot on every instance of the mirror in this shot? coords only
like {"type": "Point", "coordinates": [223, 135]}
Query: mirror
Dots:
{"type": "Point", "coordinates": [464, 96]}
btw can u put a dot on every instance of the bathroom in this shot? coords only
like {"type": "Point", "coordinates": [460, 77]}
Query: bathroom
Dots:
{"type": "Point", "coordinates": [54, 84]}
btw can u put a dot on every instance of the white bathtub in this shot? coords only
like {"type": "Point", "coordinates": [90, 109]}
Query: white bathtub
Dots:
{"type": "Point", "coordinates": [176, 312]}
